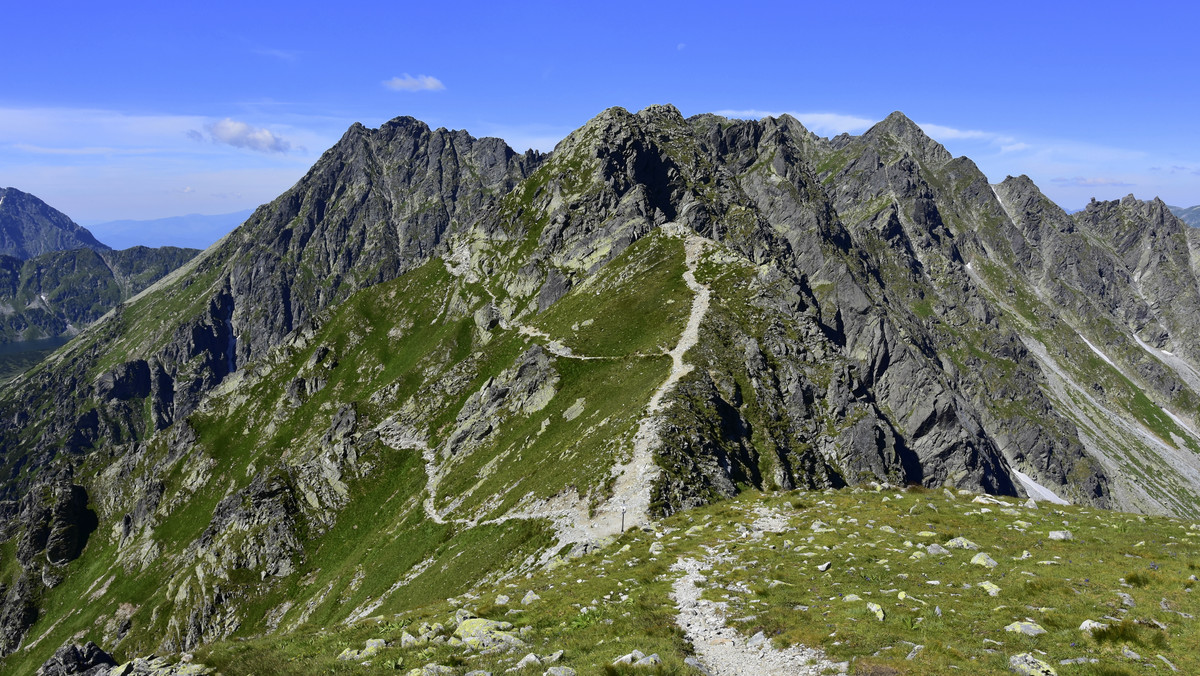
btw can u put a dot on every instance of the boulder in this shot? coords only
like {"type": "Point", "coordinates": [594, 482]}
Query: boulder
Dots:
{"type": "Point", "coordinates": [1027, 664]}
{"type": "Point", "coordinates": [481, 634]}
{"type": "Point", "coordinates": [85, 660]}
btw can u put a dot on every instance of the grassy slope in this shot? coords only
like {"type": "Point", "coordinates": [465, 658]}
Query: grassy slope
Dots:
{"type": "Point", "coordinates": [403, 337]}
{"type": "Point", "coordinates": [772, 580]}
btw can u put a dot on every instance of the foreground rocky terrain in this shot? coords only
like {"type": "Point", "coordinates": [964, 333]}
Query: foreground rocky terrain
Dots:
{"type": "Point", "coordinates": [871, 580]}
{"type": "Point", "coordinates": [435, 365]}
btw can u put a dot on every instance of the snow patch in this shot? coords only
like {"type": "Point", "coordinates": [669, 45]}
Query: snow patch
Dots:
{"type": "Point", "coordinates": [1181, 422]}
{"type": "Point", "coordinates": [1036, 490]}
{"type": "Point", "coordinates": [1183, 369]}
{"type": "Point", "coordinates": [1099, 353]}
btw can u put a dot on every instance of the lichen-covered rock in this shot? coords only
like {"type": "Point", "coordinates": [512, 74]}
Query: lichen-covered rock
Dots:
{"type": "Point", "coordinates": [481, 634]}
{"type": "Point", "coordinates": [1026, 627]}
{"type": "Point", "coordinates": [1028, 665]}
{"type": "Point", "coordinates": [984, 560]}
{"type": "Point", "coordinates": [962, 543]}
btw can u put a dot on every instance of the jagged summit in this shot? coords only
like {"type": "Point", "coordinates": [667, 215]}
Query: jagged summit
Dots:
{"type": "Point", "coordinates": [899, 132]}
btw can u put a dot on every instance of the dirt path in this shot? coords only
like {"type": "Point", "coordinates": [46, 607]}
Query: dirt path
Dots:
{"type": "Point", "coordinates": [630, 503]}
{"type": "Point", "coordinates": [721, 649]}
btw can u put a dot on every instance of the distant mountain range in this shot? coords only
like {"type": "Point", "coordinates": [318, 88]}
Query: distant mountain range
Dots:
{"type": "Point", "coordinates": [1189, 215]}
{"type": "Point", "coordinates": [56, 277]}
{"type": "Point", "coordinates": [194, 230]}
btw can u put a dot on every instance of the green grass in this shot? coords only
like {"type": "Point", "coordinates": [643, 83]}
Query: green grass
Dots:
{"type": "Point", "coordinates": [417, 336]}
{"type": "Point", "coordinates": [637, 304]}
{"type": "Point", "coordinates": [771, 583]}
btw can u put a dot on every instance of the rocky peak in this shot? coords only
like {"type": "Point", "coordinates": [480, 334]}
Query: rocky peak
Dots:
{"type": "Point", "coordinates": [897, 134]}
{"type": "Point", "coordinates": [29, 227]}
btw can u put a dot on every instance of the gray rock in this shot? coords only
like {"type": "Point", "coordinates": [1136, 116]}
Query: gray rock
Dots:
{"type": "Point", "coordinates": [629, 658]}
{"type": "Point", "coordinates": [527, 661]}
{"type": "Point", "coordinates": [648, 661]}
{"type": "Point", "coordinates": [1026, 627]}
{"type": "Point", "coordinates": [1090, 626]}
{"type": "Point", "coordinates": [71, 659]}
{"type": "Point", "coordinates": [1028, 665]}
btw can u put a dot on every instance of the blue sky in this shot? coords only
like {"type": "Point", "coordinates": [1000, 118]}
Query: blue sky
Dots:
{"type": "Point", "coordinates": [133, 110]}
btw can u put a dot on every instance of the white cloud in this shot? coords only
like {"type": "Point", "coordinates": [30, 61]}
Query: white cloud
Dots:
{"type": "Point", "coordinates": [96, 164]}
{"type": "Point", "coordinates": [941, 132]}
{"type": "Point", "coordinates": [408, 83]}
{"type": "Point", "coordinates": [243, 135]}
{"type": "Point", "coordinates": [830, 124]}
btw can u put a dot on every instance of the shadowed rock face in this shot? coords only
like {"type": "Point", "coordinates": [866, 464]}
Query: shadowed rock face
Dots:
{"type": "Point", "coordinates": [29, 227]}
{"type": "Point", "coordinates": [878, 311]}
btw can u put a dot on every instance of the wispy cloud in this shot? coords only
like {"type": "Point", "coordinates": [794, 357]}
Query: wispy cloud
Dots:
{"type": "Point", "coordinates": [90, 150]}
{"type": "Point", "coordinates": [1097, 182]}
{"type": "Point", "coordinates": [408, 83]}
{"type": "Point", "coordinates": [938, 131]}
{"type": "Point", "coordinates": [820, 123]}
{"type": "Point", "coordinates": [242, 135]}
{"type": "Point", "coordinates": [97, 164]}
{"type": "Point", "coordinates": [1003, 142]}
{"type": "Point", "coordinates": [281, 54]}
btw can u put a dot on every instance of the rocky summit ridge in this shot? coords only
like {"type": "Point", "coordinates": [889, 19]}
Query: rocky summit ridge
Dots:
{"type": "Point", "coordinates": [435, 361]}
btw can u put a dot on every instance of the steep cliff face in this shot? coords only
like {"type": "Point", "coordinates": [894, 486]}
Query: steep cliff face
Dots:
{"type": "Point", "coordinates": [431, 342]}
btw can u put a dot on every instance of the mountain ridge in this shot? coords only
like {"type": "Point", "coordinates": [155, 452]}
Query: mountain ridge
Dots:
{"type": "Point", "coordinates": [1189, 215]}
{"type": "Point", "coordinates": [481, 334]}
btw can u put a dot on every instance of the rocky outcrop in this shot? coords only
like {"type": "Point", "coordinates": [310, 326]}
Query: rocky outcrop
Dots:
{"type": "Point", "coordinates": [76, 660]}
{"type": "Point", "coordinates": [51, 525]}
